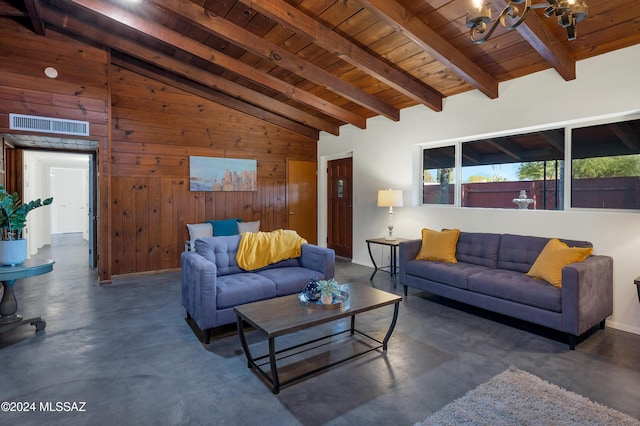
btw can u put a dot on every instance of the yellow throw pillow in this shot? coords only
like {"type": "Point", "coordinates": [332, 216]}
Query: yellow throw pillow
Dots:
{"type": "Point", "coordinates": [439, 245]}
{"type": "Point", "coordinates": [555, 256]}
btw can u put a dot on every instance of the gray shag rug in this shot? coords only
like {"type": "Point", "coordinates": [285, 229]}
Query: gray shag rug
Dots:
{"type": "Point", "coordinates": [515, 397]}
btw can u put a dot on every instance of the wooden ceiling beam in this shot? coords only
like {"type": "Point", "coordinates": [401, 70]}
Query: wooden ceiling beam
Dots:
{"type": "Point", "coordinates": [507, 148]}
{"type": "Point", "coordinates": [9, 9]}
{"type": "Point", "coordinates": [403, 21]}
{"type": "Point", "coordinates": [545, 43]}
{"type": "Point", "coordinates": [555, 139]}
{"type": "Point", "coordinates": [33, 9]}
{"type": "Point", "coordinates": [471, 159]}
{"type": "Point", "coordinates": [213, 56]}
{"type": "Point", "coordinates": [626, 134]}
{"type": "Point", "coordinates": [277, 55]}
{"type": "Point", "coordinates": [333, 42]}
{"type": "Point", "coordinates": [205, 78]}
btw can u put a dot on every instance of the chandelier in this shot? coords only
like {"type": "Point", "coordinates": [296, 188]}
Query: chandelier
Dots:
{"type": "Point", "coordinates": [569, 13]}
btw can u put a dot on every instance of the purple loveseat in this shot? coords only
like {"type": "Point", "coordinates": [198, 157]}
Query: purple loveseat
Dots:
{"type": "Point", "coordinates": [491, 274]}
{"type": "Point", "coordinates": [213, 283]}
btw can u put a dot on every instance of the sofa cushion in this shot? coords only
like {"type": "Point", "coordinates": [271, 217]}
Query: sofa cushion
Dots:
{"type": "Point", "coordinates": [555, 256]}
{"type": "Point", "coordinates": [440, 246]}
{"type": "Point", "coordinates": [290, 280]}
{"type": "Point", "coordinates": [516, 287]}
{"type": "Point", "coordinates": [237, 289]}
{"type": "Point", "coordinates": [221, 251]}
{"type": "Point", "coordinates": [519, 252]}
{"type": "Point", "coordinates": [443, 272]}
{"type": "Point", "coordinates": [478, 248]}
{"type": "Point", "coordinates": [224, 227]}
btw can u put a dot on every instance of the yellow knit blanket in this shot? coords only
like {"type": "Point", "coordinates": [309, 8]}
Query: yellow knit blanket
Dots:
{"type": "Point", "coordinates": [259, 249]}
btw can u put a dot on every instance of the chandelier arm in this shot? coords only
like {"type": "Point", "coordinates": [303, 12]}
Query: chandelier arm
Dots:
{"type": "Point", "coordinates": [567, 12]}
{"type": "Point", "coordinates": [513, 12]}
{"type": "Point", "coordinates": [543, 5]}
{"type": "Point", "coordinates": [571, 30]}
{"type": "Point", "coordinates": [480, 28]}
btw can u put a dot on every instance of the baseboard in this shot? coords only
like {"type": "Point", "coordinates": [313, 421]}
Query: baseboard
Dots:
{"type": "Point", "coordinates": [358, 262]}
{"type": "Point", "coordinates": [115, 278]}
{"type": "Point", "coordinates": [623, 327]}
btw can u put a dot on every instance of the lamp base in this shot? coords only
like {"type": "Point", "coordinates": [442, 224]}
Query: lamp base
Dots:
{"type": "Point", "coordinates": [389, 236]}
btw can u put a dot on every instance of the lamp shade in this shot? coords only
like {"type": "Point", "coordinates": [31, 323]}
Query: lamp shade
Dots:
{"type": "Point", "coordinates": [389, 198]}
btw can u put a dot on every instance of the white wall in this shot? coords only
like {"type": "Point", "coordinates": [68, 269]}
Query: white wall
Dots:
{"type": "Point", "coordinates": [36, 185]}
{"type": "Point", "coordinates": [384, 156]}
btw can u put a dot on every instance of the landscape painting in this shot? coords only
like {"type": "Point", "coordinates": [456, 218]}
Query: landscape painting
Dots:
{"type": "Point", "coordinates": [222, 174]}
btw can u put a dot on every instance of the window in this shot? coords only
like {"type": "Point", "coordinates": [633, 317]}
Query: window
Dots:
{"type": "Point", "coordinates": [605, 166]}
{"type": "Point", "coordinates": [438, 175]}
{"type": "Point", "coordinates": [496, 170]}
{"type": "Point", "coordinates": [604, 169]}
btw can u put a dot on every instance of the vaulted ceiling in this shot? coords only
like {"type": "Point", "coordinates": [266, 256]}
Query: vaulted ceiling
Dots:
{"type": "Point", "coordinates": [315, 65]}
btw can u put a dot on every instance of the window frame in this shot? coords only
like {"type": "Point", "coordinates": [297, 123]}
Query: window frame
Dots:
{"type": "Point", "coordinates": [568, 128]}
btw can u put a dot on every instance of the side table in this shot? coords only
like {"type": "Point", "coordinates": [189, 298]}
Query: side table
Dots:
{"type": "Point", "coordinates": [637, 283]}
{"type": "Point", "coordinates": [392, 269]}
{"type": "Point", "coordinates": [9, 305]}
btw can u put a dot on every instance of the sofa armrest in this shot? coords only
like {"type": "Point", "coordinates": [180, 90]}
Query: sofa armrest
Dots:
{"type": "Point", "coordinates": [319, 259]}
{"type": "Point", "coordinates": [408, 251]}
{"type": "Point", "coordinates": [199, 278]}
{"type": "Point", "coordinates": [587, 293]}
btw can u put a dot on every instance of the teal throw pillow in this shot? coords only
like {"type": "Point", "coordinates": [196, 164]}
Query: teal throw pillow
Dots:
{"type": "Point", "coordinates": [224, 227]}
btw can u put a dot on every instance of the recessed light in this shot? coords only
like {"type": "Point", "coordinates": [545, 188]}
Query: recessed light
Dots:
{"type": "Point", "coordinates": [51, 72]}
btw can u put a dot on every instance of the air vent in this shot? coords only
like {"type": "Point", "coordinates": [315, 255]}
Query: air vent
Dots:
{"type": "Point", "coordinates": [34, 123]}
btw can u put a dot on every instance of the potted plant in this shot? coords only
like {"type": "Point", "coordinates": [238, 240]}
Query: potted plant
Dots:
{"type": "Point", "coordinates": [328, 288]}
{"type": "Point", "coordinates": [13, 218]}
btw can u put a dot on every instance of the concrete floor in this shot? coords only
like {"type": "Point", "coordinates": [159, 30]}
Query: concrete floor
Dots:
{"type": "Point", "coordinates": [127, 353]}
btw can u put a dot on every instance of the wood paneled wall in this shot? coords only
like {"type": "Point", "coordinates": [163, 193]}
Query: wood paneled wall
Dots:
{"type": "Point", "coordinates": [156, 128]}
{"type": "Point", "coordinates": [79, 92]}
{"type": "Point", "coordinates": [146, 131]}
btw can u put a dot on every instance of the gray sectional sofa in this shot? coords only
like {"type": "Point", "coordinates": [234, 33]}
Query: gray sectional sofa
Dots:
{"type": "Point", "coordinates": [490, 273]}
{"type": "Point", "coordinates": [213, 283]}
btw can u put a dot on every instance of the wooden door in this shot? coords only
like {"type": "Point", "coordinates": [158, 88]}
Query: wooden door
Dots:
{"type": "Point", "coordinates": [302, 199]}
{"type": "Point", "coordinates": [340, 214]}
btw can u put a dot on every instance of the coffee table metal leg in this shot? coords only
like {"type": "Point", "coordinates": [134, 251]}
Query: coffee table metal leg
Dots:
{"type": "Point", "coordinates": [396, 307]}
{"type": "Point", "coordinates": [243, 342]}
{"type": "Point", "coordinates": [274, 368]}
{"type": "Point", "coordinates": [353, 324]}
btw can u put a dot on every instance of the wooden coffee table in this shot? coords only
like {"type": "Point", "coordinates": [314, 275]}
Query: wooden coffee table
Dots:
{"type": "Point", "coordinates": [285, 315]}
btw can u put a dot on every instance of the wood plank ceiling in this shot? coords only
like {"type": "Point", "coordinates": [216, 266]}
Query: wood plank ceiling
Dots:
{"type": "Point", "coordinates": [315, 65]}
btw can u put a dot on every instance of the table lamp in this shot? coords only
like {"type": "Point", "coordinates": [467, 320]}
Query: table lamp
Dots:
{"type": "Point", "coordinates": [390, 198]}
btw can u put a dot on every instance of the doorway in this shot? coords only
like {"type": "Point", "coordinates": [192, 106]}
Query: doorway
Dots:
{"type": "Point", "coordinates": [340, 206]}
{"type": "Point", "coordinates": [67, 178]}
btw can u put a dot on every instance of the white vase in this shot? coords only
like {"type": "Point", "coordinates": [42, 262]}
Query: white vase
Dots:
{"type": "Point", "coordinates": [327, 300]}
{"type": "Point", "coordinates": [13, 252]}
